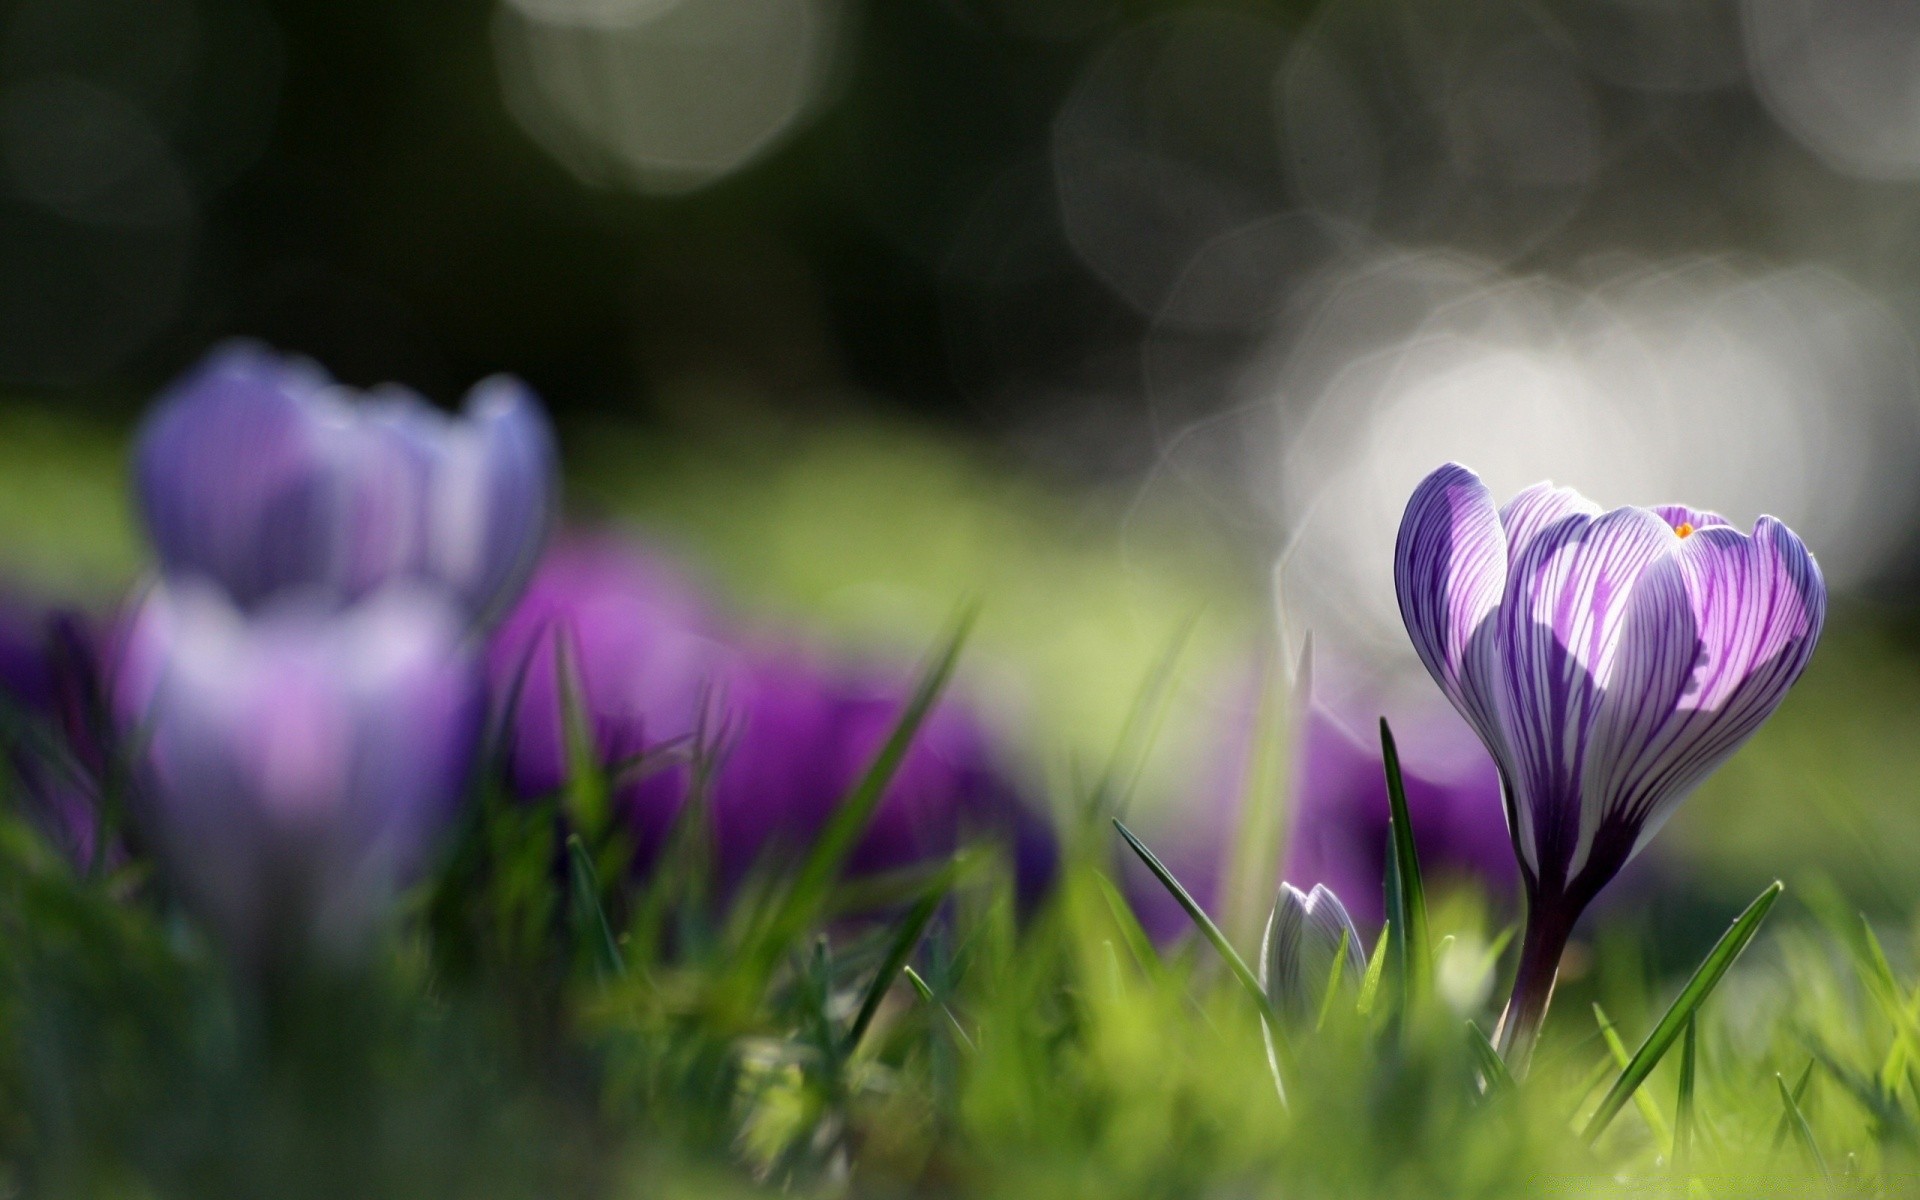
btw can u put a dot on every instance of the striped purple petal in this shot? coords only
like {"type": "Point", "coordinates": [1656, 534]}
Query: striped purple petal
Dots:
{"type": "Point", "coordinates": [1538, 509]}
{"type": "Point", "coordinates": [1559, 627]}
{"type": "Point", "coordinates": [1450, 569]}
{"type": "Point", "coordinates": [1719, 631]}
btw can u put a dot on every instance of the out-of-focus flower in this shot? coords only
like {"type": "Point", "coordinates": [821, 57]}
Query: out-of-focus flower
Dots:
{"type": "Point", "coordinates": [264, 476]}
{"type": "Point", "coordinates": [655, 666]}
{"type": "Point", "coordinates": [52, 718]}
{"type": "Point", "coordinates": [1338, 811]}
{"type": "Point", "coordinates": [297, 765]}
{"type": "Point", "coordinates": [1609, 661]}
{"type": "Point", "coordinates": [1307, 934]}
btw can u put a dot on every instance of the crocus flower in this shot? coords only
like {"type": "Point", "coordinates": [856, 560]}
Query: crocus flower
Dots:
{"type": "Point", "coordinates": [1307, 934]}
{"type": "Point", "coordinates": [1337, 808]}
{"type": "Point", "coordinates": [1609, 661]}
{"type": "Point", "coordinates": [299, 763]}
{"type": "Point", "coordinates": [262, 475]}
{"type": "Point", "coordinates": [655, 664]}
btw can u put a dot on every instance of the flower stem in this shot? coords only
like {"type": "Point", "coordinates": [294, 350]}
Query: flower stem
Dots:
{"type": "Point", "coordinates": [1548, 929]}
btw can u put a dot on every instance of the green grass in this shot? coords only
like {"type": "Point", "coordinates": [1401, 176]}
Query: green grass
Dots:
{"type": "Point", "coordinates": [531, 1032]}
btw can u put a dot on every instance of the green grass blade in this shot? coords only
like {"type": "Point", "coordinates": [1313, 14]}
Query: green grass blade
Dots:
{"type": "Point", "coordinates": [927, 997]}
{"type": "Point", "coordinates": [1200, 918]}
{"type": "Point", "coordinates": [1407, 904]}
{"type": "Point", "coordinates": [1707, 977]}
{"type": "Point", "coordinates": [1802, 1132]}
{"type": "Point", "coordinates": [1683, 1105]}
{"type": "Point", "coordinates": [898, 951]}
{"type": "Point", "coordinates": [1784, 1128]}
{"type": "Point", "coordinates": [1493, 1068]}
{"type": "Point", "coordinates": [586, 798]}
{"type": "Point", "coordinates": [1112, 793]}
{"type": "Point", "coordinates": [1642, 1099]}
{"type": "Point", "coordinates": [804, 897]}
{"type": "Point", "coordinates": [1334, 977]}
{"type": "Point", "coordinates": [588, 909]}
{"type": "Point", "coordinates": [1376, 967]}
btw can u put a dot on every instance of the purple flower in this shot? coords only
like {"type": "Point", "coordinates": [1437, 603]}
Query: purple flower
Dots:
{"type": "Point", "coordinates": [655, 665]}
{"type": "Point", "coordinates": [298, 765]}
{"type": "Point", "coordinates": [1609, 661]}
{"type": "Point", "coordinates": [263, 475]}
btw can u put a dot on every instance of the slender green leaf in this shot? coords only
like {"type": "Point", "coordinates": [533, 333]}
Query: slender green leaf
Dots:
{"type": "Point", "coordinates": [1784, 1128]}
{"type": "Point", "coordinates": [1376, 967]}
{"type": "Point", "coordinates": [1200, 919]}
{"type": "Point", "coordinates": [1707, 977]}
{"type": "Point", "coordinates": [1493, 1068]}
{"type": "Point", "coordinates": [1334, 978]}
{"type": "Point", "coordinates": [1642, 1099]}
{"type": "Point", "coordinates": [1408, 901]}
{"type": "Point", "coordinates": [898, 951]}
{"type": "Point", "coordinates": [1112, 792]}
{"type": "Point", "coordinates": [587, 797]}
{"type": "Point", "coordinates": [1683, 1104]}
{"type": "Point", "coordinates": [587, 906]}
{"type": "Point", "coordinates": [1802, 1132]}
{"type": "Point", "coordinates": [804, 897]}
{"type": "Point", "coordinates": [926, 995]}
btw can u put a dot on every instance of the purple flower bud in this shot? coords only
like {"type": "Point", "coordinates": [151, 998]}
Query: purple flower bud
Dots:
{"type": "Point", "coordinates": [1307, 935]}
{"type": "Point", "coordinates": [261, 474]}
{"type": "Point", "coordinates": [298, 765]}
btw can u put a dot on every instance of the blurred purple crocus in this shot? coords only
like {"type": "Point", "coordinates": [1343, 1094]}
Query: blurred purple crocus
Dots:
{"type": "Point", "coordinates": [1609, 661]}
{"type": "Point", "coordinates": [263, 475]}
{"type": "Point", "coordinates": [1338, 811]}
{"type": "Point", "coordinates": [298, 765]}
{"type": "Point", "coordinates": [655, 664]}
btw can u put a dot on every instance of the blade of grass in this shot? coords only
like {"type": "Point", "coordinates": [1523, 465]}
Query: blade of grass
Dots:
{"type": "Point", "coordinates": [1784, 1128]}
{"type": "Point", "coordinates": [926, 995]}
{"type": "Point", "coordinates": [1707, 977]}
{"type": "Point", "coordinates": [1128, 922]}
{"type": "Point", "coordinates": [1802, 1132]}
{"type": "Point", "coordinates": [1493, 1068]}
{"type": "Point", "coordinates": [586, 798]}
{"type": "Point", "coordinates": [1376, 967]}
{"type": "Point", "coordinates": [1111, 793]}
{"type": "Point", "coordinates": [587, 907]}
{"type": "Point", "coordinates": [1334, 977]}
{"type": "Point", "coordinates": [898, 951]}
{"type": "Point", "coordinates": [1408, 901]}
{"type": "Point", "coordinates": [1200, 919]}
{"type": "Point", "coordinates": [1642, 1099]}
{"type": "Point", "coordinates": [804, 897]}
{"type": "Point", "coordinates": [1683, 1105]}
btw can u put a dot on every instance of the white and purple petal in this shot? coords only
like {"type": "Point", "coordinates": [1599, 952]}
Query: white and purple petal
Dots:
{"type": "Point", "coordinates": [1450, 569]}
{"type": "Point", "coordinates": [1719, 632]}
{"type": "Point", "coordinates": [1559, 627]}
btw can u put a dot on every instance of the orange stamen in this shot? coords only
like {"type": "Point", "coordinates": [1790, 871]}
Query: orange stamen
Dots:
{"type": "Point", "coordinates": [1684, 528]}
